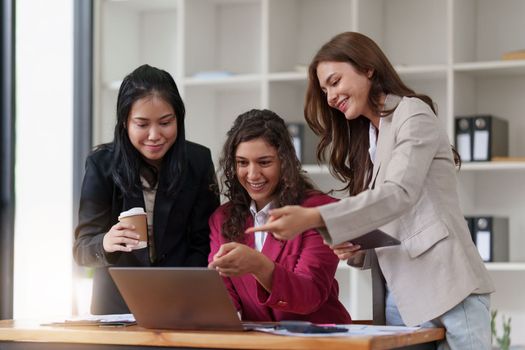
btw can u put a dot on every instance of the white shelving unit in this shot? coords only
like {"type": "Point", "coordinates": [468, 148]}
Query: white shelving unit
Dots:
{"type": "Point", "coordinates": [258, 51]}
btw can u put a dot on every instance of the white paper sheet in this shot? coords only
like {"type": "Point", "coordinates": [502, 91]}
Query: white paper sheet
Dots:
{"type": "Point", "coordinates": [354, 330]}
{"type": "Point", "coordinates": [105, 318]}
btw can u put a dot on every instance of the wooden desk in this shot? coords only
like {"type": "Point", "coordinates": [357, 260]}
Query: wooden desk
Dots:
{"type": "Point", "coordinates": [31, 335]}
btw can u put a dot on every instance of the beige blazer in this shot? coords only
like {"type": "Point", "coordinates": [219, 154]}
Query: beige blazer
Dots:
{"type": "Point", "coordinates": [414, 198]}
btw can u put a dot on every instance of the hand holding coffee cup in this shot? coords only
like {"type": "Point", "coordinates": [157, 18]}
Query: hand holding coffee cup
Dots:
{"type": "Point", "coordinates": [137, 218]}
{"type": "Point", "coordinates": [124, 235]}
{"type": "Point", "coordinates": [121, 237]}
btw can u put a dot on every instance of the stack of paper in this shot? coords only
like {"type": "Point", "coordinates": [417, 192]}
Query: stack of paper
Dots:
{"type": "Point", "coordinates": [97, 320]}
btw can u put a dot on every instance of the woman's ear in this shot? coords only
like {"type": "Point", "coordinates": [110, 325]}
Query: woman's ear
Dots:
{"type": "Point", "coordinates": [370, 73]}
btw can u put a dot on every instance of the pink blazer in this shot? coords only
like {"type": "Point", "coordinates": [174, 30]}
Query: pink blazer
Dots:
{"type": "Point", "coordinates": [304, 287]}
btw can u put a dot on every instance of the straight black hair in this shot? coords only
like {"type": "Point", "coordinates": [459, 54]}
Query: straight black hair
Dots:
{"type": "Point", "coordinates": [128, 163]}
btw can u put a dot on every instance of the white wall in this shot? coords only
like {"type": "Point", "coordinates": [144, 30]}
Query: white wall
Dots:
{"type": "Point", "coordinates": [44, 103]}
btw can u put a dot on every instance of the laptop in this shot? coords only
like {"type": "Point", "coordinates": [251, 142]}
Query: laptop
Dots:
{"type": "Point", "coordinates": [177, 298]}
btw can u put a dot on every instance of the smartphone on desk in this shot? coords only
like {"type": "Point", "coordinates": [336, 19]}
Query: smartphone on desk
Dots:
{"type": "Point", "coordinates": [309, 327]}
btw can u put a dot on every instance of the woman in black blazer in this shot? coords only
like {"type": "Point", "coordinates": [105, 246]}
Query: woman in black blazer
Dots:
{"type": "Point", "coordinates": [150, 165]}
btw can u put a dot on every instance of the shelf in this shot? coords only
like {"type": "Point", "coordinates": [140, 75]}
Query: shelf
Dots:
{"type": "Point", "coordinates": [241, 80]}
{"type": "Point", "coordinates": [489, 166]}
{"type": "Point", "coordinates": [141, 5]}
{"type": "Point", "coordinates": [495, 266]}
{"type": "Point", "coordinates": [505, 266]}
{"type": "Point", "coordinates": [492, 68]}
{"type": "Point", "coordinates": [288, 76]}
{"type": "Point", "coordinates": [410, 72]}
{"type": "Point", "coordinates": [422, 71]}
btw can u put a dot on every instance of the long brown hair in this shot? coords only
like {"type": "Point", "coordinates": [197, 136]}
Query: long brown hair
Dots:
{"type": "Point", "coordinates": [293, 185]}
{"type": "Point", "coordinates": [347, 141]}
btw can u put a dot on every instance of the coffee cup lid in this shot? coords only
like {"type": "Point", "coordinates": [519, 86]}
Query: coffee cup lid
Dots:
{"type": "Point", "coordinates": [132, 212]}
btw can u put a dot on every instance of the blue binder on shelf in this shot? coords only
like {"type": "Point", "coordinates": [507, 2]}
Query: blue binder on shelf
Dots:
{"type": "Point", "coordinates": [492, 238]}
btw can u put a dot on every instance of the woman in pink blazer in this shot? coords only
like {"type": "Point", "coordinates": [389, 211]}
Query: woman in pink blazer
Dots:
{"type": "Point", "coordinates": [269, 279]}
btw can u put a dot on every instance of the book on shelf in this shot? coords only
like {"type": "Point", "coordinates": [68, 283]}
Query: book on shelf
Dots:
{"type": "Point", "coordinates": [513, 55]}
{"type": "Point", "coordinates": [508, 159]}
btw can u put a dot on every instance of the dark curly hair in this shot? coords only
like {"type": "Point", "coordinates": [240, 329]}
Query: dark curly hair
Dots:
{"type": "Point", "coordinates": [293, 185]}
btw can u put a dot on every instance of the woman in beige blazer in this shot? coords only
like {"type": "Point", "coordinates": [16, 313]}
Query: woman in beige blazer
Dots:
{"type": "Point", "coordinates": [387, 144]}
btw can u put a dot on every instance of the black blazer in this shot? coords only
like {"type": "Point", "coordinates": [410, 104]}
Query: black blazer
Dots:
{"type": "Point", "coordinates": [180, 222]}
